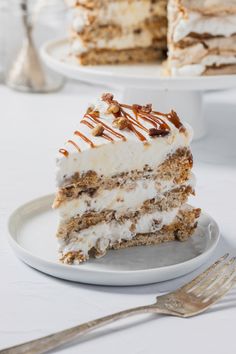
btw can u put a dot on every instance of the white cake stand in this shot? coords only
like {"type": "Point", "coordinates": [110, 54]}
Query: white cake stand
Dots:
{"type": "Point", "coordinates": [142, 83]}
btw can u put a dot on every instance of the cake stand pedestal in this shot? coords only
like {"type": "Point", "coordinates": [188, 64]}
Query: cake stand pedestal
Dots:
{"type": "Point", "coordinates": [142, 83]}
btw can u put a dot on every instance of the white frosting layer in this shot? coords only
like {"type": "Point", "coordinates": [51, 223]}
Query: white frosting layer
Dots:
{"type": "Point", "coordinates": [126, 40]}
{"type": "Point", "coordinates": [197, 23]}
{"type": "Point", "coordinates": [222, 46]}
{"type": "Point", "coordinates": [124, 14]}
{"type": "Point", "coordinates": [109, 159]}
{"type": "Point", "coordinates": [121, 200]}
{"type": "Point", "coordinates": [198, 69]}
{"type": "Point", "coordinates": [114, 231]}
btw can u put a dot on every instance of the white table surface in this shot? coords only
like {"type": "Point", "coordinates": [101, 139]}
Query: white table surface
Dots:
{"type": "Point", "coordinates": [33, 304]}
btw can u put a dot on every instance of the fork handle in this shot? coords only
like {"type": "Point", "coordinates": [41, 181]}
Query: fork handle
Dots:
{"type": "Point", "coordinates": [43, 344]}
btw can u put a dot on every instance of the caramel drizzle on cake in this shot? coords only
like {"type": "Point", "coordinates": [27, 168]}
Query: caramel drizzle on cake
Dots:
{"type": "Point", "coordinates": [82, 136]}
{"type": "Point", "coordinates": [95, 119]}
{"type": "Point", "coordinates": [104, 135]}
{"type": "Point", "coordinates": [174, 119]}
{"type": "Point", "coordinates": [74, 144]}
{"type": "Point", "coordinates": [145, 113]}
{"type": "Point", "coordinates": [64, 152]}
{"type": "Point", "coordinates": [125, 120]}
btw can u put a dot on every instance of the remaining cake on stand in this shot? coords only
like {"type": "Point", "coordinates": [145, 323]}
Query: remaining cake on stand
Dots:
{"type": "Point", "coordinates": [120, 31]}
{"type": "Point", "coordinates": [202, 37]}
{"type": "Point", "coordinates": [123, 180]}
{"type": "Point", "coordinates": [201, 34]}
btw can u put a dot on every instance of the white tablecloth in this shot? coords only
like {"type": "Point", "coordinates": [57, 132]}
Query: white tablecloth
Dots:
{"type": "Point", "coordinates": [33, 304]}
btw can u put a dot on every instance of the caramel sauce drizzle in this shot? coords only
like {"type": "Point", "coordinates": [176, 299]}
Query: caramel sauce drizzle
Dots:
{"type": "Point", "coordinates": [174, 119]}
{"type": "Point", "coordinates": [104, 135]}
{"type": "Point", "coordinates": [137, 133]}
{"type": "Point", "coordinates": [149, 117]}
{"type": "Point", "coordinates": [161, 124]}
{"type": "Point", "coordinates": [154, 124]}
{"type": "Point", "coordinates": [74, 144]}
{"type": "Point", "coordinates": [64, 152]}
{"type": "Point", "coordinates": [134, 121]}
{"type": "Point", "coordinates": [82, 136]}
{"type": "Point", "coordinates": [160, 113]}
{"type": "Point", "coordinates": [95, 119]}
{"type": "Point", "coordinates": [140, 112]}
{"type": "Point", "coordinates": [87, 123]}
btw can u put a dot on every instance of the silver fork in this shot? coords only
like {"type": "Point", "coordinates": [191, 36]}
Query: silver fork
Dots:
{"type": "Point", "coordinates": [189, 300]}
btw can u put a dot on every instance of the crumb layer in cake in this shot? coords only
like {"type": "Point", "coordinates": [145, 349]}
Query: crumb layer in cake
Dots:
{"type": "Point", "coordinates": [176, 168]}
{"type": "Point", "coordinates": [180, 229]}
{"type": "Point", "coordinates": [204, 54]}
{"type": "Point", "coordinates": [125, 56]}
{"type": "Point", "coordinates": [125, 14]}
{"type": "Point", "coordinates": [220, 70]}
{"type": "Point", "coordinates": [113, 38]}
{"type": "Point", "coordinates": [169, 200]}
{"type": "Point", "coordinates": [153, 28]}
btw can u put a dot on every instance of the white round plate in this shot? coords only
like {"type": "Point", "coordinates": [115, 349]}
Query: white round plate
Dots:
{"type": "Point", "coordinates": [55, 55]}
{"type": "Point", "coordinates": [32, 230]}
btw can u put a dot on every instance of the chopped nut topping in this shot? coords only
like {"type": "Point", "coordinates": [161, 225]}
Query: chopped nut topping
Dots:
{"type": "Point", "coordinates": [121, 123]}
{"type": "Point", "coordinates": [113, 108]}
{"type": "Point", "coordinates": [91, 110]}
{"type": "Point", "coordinates": [147, 108]}
{"type": "Point", "coordinates": [157, 132]}
{"type": "Point", "coordinates": [98, 130]}
{"type": "Point", "coordinates": [107, 97]}
{"type": "Point", "coordinates": [136, 107]}
{"type": "Point", "coordinates": [96, 113]}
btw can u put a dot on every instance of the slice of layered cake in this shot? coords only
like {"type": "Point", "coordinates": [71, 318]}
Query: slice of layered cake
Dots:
{"type": "Point", "coordinates": [119, 31]}
{"type": "Point", "coordinates": [202, 37]}
{"type": "Point", "coordinates": [123, 180]}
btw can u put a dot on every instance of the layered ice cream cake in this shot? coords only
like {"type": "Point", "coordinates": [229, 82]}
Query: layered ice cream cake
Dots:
{"type": "Point", "coordinates": [118, 31]}
{"type": "Point", "coordinates": [124, 179]}
{"type": "Point", "coordinates": [198, 37]}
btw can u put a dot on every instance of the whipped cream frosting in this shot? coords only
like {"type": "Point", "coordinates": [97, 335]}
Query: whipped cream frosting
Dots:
{"type": "Point", "coordinates": [134, 14]}
{"type": "Point", "coordinates": [110, 158]}
{"type": "Point", "coordinates": [198, 69]}
{"type": "Point", "coordinates": [126, 40]}
{"type": "Point", "coordinates": [210, 6]}
{"type": "Point", "coordinates": [115, 231]}
{"type": "Point", "coordinates": [124, 13]}
{"type": "Point", "coordinates": [197, 23]}
{"type": "Point", "coordinates": [122, 200]}
{"type": "Point", "coordinates": [223, 46]}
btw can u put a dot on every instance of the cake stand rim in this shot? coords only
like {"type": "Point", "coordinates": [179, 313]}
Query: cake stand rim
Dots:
{"type": "Point", "coordinates": [109, 75]}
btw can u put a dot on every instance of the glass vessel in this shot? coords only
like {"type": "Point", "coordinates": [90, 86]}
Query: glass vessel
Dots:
{"type": "Point", "coordinates": [29, 24]}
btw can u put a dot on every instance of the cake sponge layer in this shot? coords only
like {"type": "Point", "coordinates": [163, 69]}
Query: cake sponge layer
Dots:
{"type": "Point", "coordinates": [163, 202]}
{"type": "Point", "coordinates": [125, 56]}
{"type": "Point", "coordinates": [175, 170]}
{"type": "Point", "coordinates": [180, 229]}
